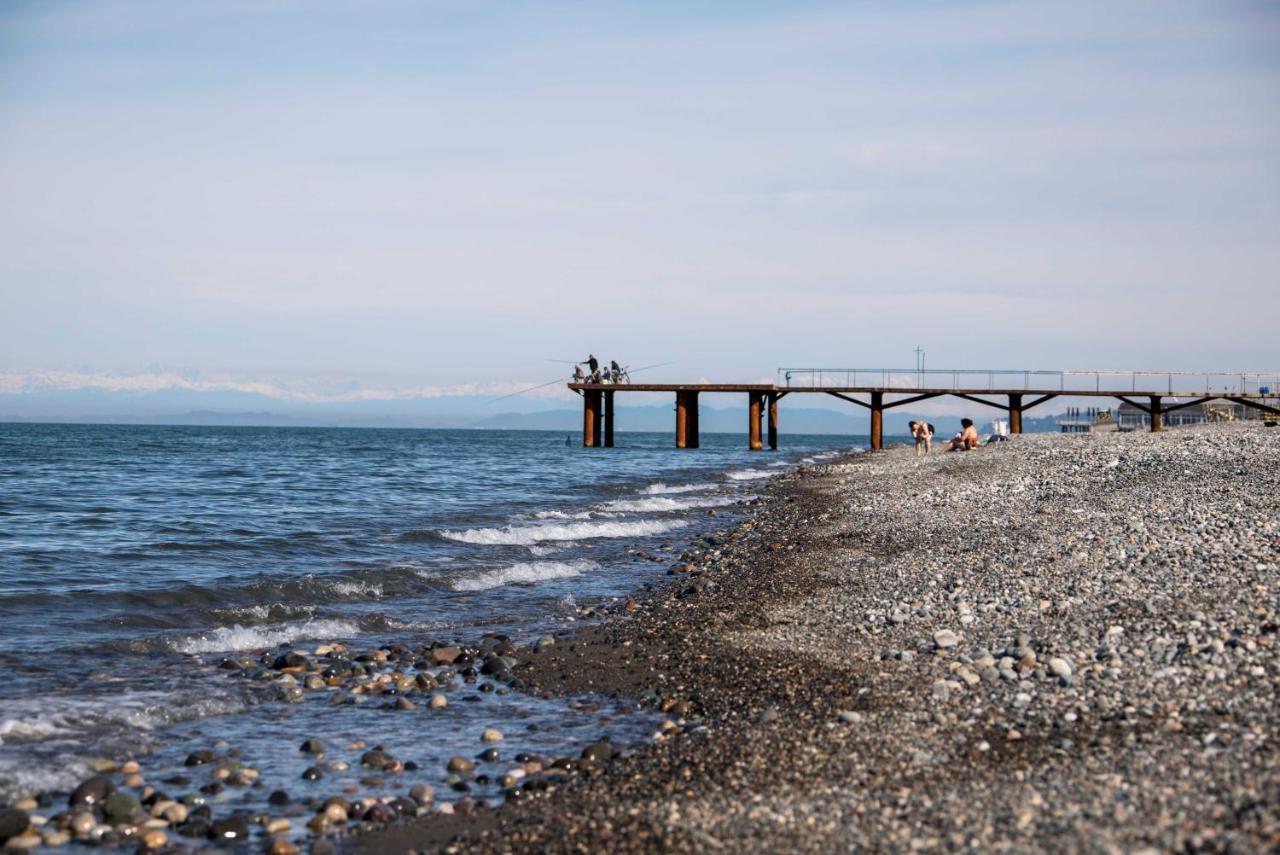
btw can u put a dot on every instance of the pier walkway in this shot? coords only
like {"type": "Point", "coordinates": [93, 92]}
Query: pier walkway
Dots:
{"type": "Point", "coordinates": [880, 389]}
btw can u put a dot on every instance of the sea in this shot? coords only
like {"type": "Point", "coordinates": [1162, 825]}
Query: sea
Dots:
{"type": "Point", "coordinates": [135, 559]}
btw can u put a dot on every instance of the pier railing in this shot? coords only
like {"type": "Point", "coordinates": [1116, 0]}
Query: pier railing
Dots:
{"type": "Point", "coordinates": [1004, 380]}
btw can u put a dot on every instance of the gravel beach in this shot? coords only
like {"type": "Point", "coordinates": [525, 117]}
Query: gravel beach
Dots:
{"type": "Point", "coordinates": [1060, 642]}
{"type": "Point", "coordinates": [1056, 643]}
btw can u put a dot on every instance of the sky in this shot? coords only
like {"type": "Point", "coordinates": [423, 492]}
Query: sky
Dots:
{"type": "Point", "coordinates": [358, 198]}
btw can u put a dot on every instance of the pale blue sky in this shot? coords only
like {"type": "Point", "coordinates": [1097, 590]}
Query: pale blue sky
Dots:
{"type": "Point", "coordinates": [402, 195]}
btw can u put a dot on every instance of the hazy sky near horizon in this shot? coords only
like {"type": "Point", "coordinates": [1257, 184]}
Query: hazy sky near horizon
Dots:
{"type": "Point", "coordinates": [413, 194]}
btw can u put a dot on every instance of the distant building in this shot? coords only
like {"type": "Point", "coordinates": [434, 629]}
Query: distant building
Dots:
{"type": "Point", "coordinates": [1085, 420]}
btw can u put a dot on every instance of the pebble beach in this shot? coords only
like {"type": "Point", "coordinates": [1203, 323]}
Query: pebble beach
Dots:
{"type": "Point", "coordinates": [1060, 642]}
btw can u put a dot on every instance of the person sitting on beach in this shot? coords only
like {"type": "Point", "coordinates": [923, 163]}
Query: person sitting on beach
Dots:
{"type": "Point", "coordinates": [966, 439]}
{"type": "Point", "coordinates": [922, 432]}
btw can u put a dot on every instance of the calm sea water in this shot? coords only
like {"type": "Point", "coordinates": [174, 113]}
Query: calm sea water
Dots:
{"type": "Point", "coordinates": [133, 558]}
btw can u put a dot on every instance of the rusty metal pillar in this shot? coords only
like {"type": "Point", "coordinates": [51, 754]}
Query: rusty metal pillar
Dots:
{"type": "Point", "coordinates": [682, 420]}
{"type": "Point", "coordinates": [754, 413]}
{"type": "Point", "coordinates": [691, 439]}
{"type": "Point", "coordinates": [1157, 420]}
{"type": "Point", "coordinates": [877, 420]}
{"type": "Point", "coordinates": [1015, 414]}
{"type": "Point", "coordinates": [590, 418]}
{"type": "Point", "coordinates": [608, 420]}
{"type": "Point", "coordinates": [773, 421]}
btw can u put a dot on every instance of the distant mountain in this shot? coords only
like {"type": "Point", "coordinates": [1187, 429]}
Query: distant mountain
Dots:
{"type": "Point", "coordinates": [184, 407]}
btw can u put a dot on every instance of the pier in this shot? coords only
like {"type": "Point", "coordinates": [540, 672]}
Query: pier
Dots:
{"type": "Point", "coordinates": [879, 389]}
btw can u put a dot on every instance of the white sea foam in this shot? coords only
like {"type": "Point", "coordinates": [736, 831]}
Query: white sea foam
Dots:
{"type": "Point", "coordinates": [21, 777]}
{"type": "Point", "coordinates": [749, 475]}
{"type": "Point", "coordinates": [227, 638]}
{"type": "Point", "coordinates": [562, 515]}
{"type": "Point", "coordinates": [661, 489]}
{"type": "Point", "coordinates": [356, 589]}
{"type": "Point", "coordinates": [664, 503]}
{"type": "Point", "coordinates": [136, 711]}
{"type": "Point", "coordinates": [526, 535]}
{"type": "Point", "coordinates": [524, 573]}
{"type": "Point", "coordinates": [539, 551]}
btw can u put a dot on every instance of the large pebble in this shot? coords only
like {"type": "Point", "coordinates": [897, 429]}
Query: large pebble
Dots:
{"type": "Point", "coordinates": [230, 828]}
{"type": "Point", "coordinates": [945, 638]}
{"type": "Point", "coordinates": [13, 822]}
{"type": "Point", "coordinates": [91, 792]}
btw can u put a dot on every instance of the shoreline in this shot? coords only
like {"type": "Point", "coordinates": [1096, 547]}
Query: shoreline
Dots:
{"type": "Point", "coordinates": [966, 652]}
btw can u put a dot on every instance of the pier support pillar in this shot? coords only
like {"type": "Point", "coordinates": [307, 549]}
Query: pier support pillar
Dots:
{"type": "Point", "coordinates": [1157, 414]}
{"type": "Point", "coordinates": [692, 435]}
{"type": "Point", "coordinates": [754, 414]}
{"type": "Point", "coordinates": [773, 421]}
{"type": "Point", "coordinates": [686, 419]}
{"type": "Point", "coordinates": [591, 418]}
{"type": "Point", "coordinates": [877, 421]}
{"type": "Point", "coordinates": [1015, 413]}
{"type": "Point", "coordinates": [608, 420]}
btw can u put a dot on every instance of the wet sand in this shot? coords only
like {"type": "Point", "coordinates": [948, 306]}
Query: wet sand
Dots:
{"type": "Point", "coordinates": [1062, 643]}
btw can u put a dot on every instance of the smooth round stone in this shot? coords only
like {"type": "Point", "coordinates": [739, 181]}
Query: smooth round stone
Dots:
{"type": "Point", "coordinates": [155, 839]}
{"type": "Point", "coordinates": [199, 758]}
{"type": "Point", "coordinates": [335, 812]}
{"type": "Point", "coordinates": [121, 809]}
{"type": "Point", "coordinates": [376, 759]}
{"type": "Point", "coordinates": [13, 822]}
{"type": "Point", "coordinates": [600, 752]}
{"type": "Point", "coordinates": [176, 814]}
{"type": "Point", "coordinates": [1060, 667]}
{"type": "Point", "coordinates": [460, 764]}
{"type": "Point", "coordinates": [945, 638]}
{"type": "Point", "coordinates": [422, 794]}
{"type": "Point", "coordinates": [312, 774]}
{"type": "Point", "coordinates": [279, 825]}
{"type": "Point", "coordinates": [55, 838]}
{"type": "Point", "coordinates": [82, 823]}
{"type": "Point", "coordinates": [280, 846]}
{"type": "Point", "coordinates": [230, 828]}
{"type": "Point", "coordinates": [489, 755]}
{"type": "Point", "coordinates": [26, 841]}
{"type": "Point", "coordinates": [405, 704]}
{"type": "Point", "coordinates": [438, 702]}
{"type": "Point", "coordinates": [91, 792]}
{"type": "Point", "coordinates": [491, 735]}
{"type": "Point", "coordinates": [278, 797]}
{"type": "Point", "coordinates": [311, 746]}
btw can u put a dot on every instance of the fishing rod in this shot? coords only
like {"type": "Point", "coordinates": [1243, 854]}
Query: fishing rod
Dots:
{"type": "Point", "coordinates": [530, 389]}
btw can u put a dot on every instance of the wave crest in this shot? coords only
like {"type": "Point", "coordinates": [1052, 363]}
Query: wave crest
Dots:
{"type": "Point", "coordinates": [526, 573]}
{"type": "Point", "coordinates": [228, 638]}
{"type": "Point", "coordinates": [528, 535]}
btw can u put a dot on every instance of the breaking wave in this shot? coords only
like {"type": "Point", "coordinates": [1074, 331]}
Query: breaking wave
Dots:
{"type": "Point", "coordinates": [523, 574]}
{"type": "Point", "coordinates": [228, 638]}
{"type": "Point", "coordinates": [526, 535]}
{"type": "Point", "coordinates": [660, 489]}
{"type": "Point", "coordinates": [663, 503]}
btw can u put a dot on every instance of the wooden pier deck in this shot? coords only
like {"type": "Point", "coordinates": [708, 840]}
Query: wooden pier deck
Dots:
{"type": "Point", "coordinates": [1014, 400]}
